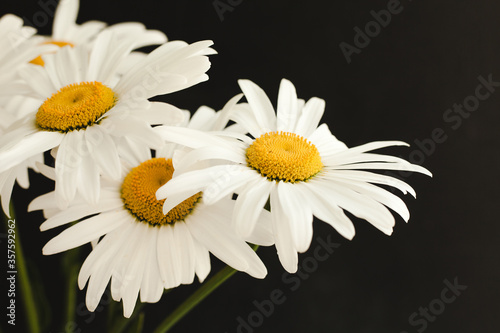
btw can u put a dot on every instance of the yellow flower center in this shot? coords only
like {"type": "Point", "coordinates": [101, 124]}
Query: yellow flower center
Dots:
{"type": "Point", "coordinates": [75, 107]}
{"type": "Point", "coordinates": [39, 61]}
{"type": "Point", "coordinates": [139, 193]}
{"type": "Point", "coordinates": [284, 156]}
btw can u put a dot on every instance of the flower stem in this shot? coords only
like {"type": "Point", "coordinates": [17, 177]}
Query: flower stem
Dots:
{"type": "Point", "coordinates": [24, 282]}
{"type": "Point", "coordinates": [195, 298]}
{"type": "Point", "coordinates": [71, 267]}
{"type": "Point", "coordinates": [198, 296]}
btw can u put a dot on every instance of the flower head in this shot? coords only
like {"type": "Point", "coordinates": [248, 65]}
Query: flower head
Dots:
{"type": "Point", "coordinates": [141, 250]}
{"type": "Point", "coordinates": [89, 116]}
{"type": "Point", "coordinates": [300, 167]}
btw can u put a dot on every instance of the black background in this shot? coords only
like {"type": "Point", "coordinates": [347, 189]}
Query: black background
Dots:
{"type": "Point", "coordinates": [428, 58]}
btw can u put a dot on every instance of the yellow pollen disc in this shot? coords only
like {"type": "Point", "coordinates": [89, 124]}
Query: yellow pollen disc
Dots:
{"type": "Point", "coordinates": [75, 107]}
{"type": "Point", "coordinates": [284, 156]}
{"type": "Point", "coordinates": [139, 193]}
{"type": "Point", "coordinates": [39, 61]}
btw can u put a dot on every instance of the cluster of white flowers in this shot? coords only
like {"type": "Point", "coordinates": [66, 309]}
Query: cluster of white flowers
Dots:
{"type": "Point", "coordinates": [83, 94]}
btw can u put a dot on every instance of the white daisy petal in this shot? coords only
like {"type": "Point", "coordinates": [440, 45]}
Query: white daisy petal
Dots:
{"type": "Point", "coordinates": [132, 151]}
{"type": "Point", "coordinates": [29, 146]}
{"type": "Point", "coordinates": [202, 261]}
{"type": "Point", "coordinates": [228, 180]}
{"type": "Point", "coordinates": [17, 131]}
{"type": "Point", "coordinates": [243, 115]}
{"type": "Point", "coordinates": [64, 18]}
{"type": "Point", "coordinates": [287, 111]}
{"type": "Point", "coordinates": [104, 152]}
{"type": "Point", "coordinates": [8, 179]}
{"type": "Point", "coordinates": [162, 114]}
{"type": "Point", "coordinates": [371, 177]}
{"type": "Point", "coordinates": [151, 286]}
{"type": "Point", "coordinates": [209, 153]}
{"type": "Point", "coordinates": [124, 278]}
{"type": "Point", "coordinates": [22, 177]}
{"type": "Point", "coordinates": [76, 211]}
{"type": "Point", "coordinates": [134, 272]}
{"type": "Point", "coordinates": [262, 232]}
{"type": "Point", "coordinates": [107, 55]}
{"type": "Point", "coordinates": [96, 286]}
{"type": "Point", "coordinates": [371, 146]}
{"type": "Point", "coordinates": [201, 117]}
{"type": "Point", "coordinates": [328, 211]}
{"type": "Point", "coordinates": [220, 241]}
{"type": "Point", "coordinates": [99, 280]}
{"type": "Point", "coordinates": [325, 142]}
{"type": "Point", "coordinates": [384, 166]}
{"type": "Point", "coordinates": [85, 232]}
{"type": "Point", "coordinates": [62, 65]}
{"type": "Point", "coordinates": [190, 137]}
{"type": "Point", "coordinates": [15, 88]}
{"type": "Point", "coordinates": [287, 252]}
{"type": "Point", "coordinates": [174, 200]}
{"type": "Point", "coordinates": [51, 68]}
{"type": "Point", "coordinates": [36, 77]}
{"type": "Point", "coordinates": [136, 129]}
{"type": "Point", "coordinates": [333, 160]}
{"type": "Point", "coordinates": [171, 67]}
{"type": "Point", "coordinates": [42, 202]}
{"type": "Point", "coordinates": [311, 115]}
{"type": "Point", "coordinates": [261, 105]}
{"type": "Point", "coordinates": [86, 31]}
{"type": "Point", "coordinates": [137, 31]}
{"type": "Point", "coordinates": [249, 206]}
{"type": "Point", "coordinates": [299, 216]}
{"type": "Point", "coordinates": [89, 180]}
{"type": "Point", "coordinates": [184, 241]}
{"type": "Point", "coordinates": [169, 261]}
{"type": "Point", "coordinates": [219, 181]}
{"type": "Point", "coordinates": [384, 197]}
{"type": "Point", "coordinates": [359, 205]}
{"type": "Point", "coordinates": [71, 152]}
{"type": "Point", "coordinates": [224, 115]}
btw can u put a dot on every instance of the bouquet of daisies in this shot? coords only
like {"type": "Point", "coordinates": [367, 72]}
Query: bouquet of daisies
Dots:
{"type": "Point", "coordinates": [154, 189]}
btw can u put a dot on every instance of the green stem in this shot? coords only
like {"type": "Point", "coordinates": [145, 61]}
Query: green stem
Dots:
{"type": "Point", "coordinates": [138, 324]}
{"type": "Point", "coordinates": [24, 282]}
{"type": "Point", "coordinates": [71, 268]}
{"type": "Point", "coordinates": [193, 300]}
{"type": "Point", "coordinates": [111, 314]}
{"type": "Point", "coordinates": [198, 296]}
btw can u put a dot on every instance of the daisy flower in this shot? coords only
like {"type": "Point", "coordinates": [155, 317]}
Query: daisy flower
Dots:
{"type": "Point", "coordinates": [144, 251]}
{"type": "Point", "coordinates": [65, 31]}
{"type": "Point", "coordinates": [299, 166]}
{"type": "Point", "coordinates": [90, 116]}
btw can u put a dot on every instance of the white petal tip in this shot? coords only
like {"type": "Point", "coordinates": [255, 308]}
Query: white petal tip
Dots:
{"type": "Point", "coordinates": [92, 305]}
{"type": "Point", "coordinates": [47, 251]}
{"type": "Point", "coordinates": [81, 283]}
